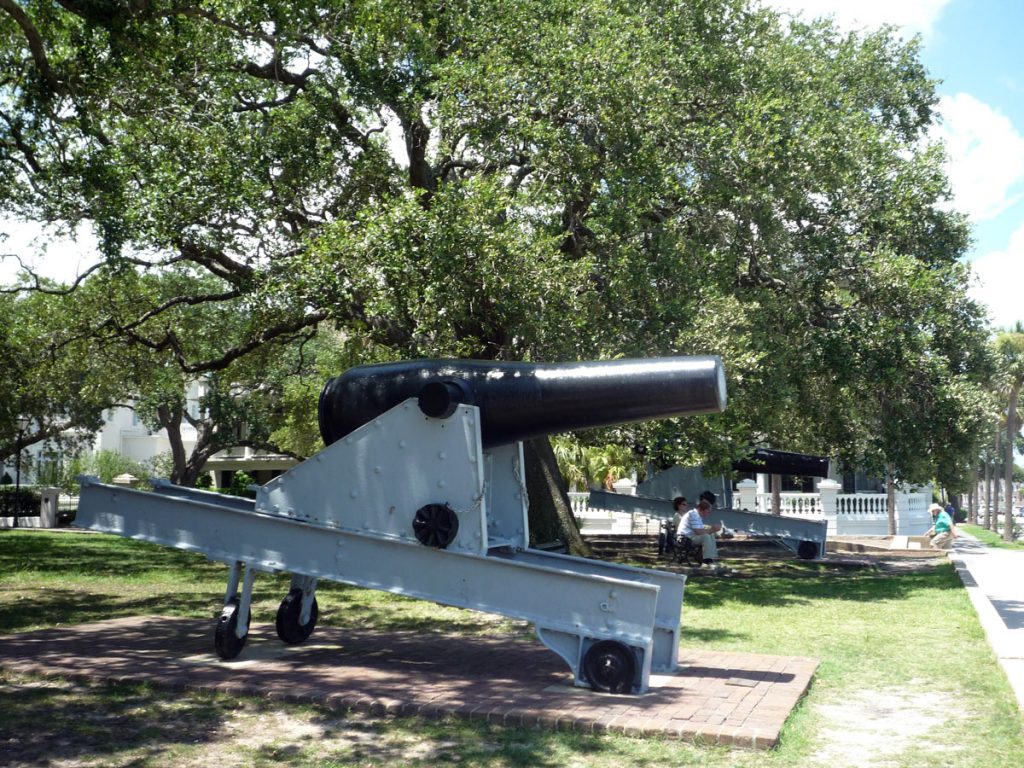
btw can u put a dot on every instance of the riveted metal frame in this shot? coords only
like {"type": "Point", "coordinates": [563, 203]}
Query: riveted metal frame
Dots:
{"type": "Point", "coordinates": [345, 515]}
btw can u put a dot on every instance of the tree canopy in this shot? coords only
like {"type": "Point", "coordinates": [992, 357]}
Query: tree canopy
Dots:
{"type": "Point", "coordinates": [522, 180]}
{"type": "Point", "coordinates": [62, 394]}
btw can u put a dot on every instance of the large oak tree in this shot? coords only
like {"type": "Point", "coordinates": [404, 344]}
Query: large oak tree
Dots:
{"type": "Point", "coordinates": [527, 180]}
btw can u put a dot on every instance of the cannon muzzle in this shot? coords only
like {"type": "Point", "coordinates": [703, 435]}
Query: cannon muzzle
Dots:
{"type": "Point", "coordinates": [518, 401]}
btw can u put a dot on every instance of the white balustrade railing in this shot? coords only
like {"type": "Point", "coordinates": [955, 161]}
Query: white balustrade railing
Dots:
{"type": "Point", "coordinates": [862, 504]}
{"type": "Point", "coordinates": [597, 521]}
{"type": "Point", "coordinates": [579, 501]}
{"type": "Point", "coordinates": [792, 504]}
{"type": "Point", "coordinates": [848, 514]}
{"type": "Point", "coordinates": [917, 505]}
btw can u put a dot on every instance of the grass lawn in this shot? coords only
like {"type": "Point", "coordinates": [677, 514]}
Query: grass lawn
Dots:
{"type": "Point", "coordinates": [991, 538]}
{"type": "Point", "coordinates": [906, 677]}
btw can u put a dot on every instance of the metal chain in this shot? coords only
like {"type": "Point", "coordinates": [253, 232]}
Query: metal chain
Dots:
{"type": "Point", "coordinates": [478, 500]}
{"type": "Point", "coordinates": [518, 475]}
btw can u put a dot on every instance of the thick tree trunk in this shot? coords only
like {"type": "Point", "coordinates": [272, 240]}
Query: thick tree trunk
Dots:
{"type": "Point", "coordinates": [194, 466]}
{"type": "Point", "coordinates": [972, 497]}
{"type": "Point", "coordinates": [187, 466]}
{"type": "Point", "coordinates": [890, 497]}
{"type": "Point", "coordinates": [170, 420]}
{"type": "Point", "coordinates": [776, 494]}
{"type": "Point", "coordinates": [994, 517]}
{"type": "Point", "coordinates": [987, 509]}
{"type": "Point", "coordinates": [550, 513]}
{"type": "Point", "coordinates": [1011, 433]}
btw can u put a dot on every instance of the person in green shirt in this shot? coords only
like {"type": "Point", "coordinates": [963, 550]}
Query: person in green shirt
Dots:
{"type": "Point", "coordinates": [943, 531]}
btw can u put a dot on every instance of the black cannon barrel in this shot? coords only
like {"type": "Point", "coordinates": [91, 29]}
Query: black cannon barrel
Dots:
{"type": "Point", "coordinates": [523, 400]}
{"type": "Point", "coordinates": [769, 462]}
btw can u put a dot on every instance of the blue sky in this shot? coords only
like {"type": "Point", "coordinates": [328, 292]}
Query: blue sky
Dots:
{"type": "Point", "coordinates": [974, 48]}
{"type": "Point", "coordinates": [971, 46]}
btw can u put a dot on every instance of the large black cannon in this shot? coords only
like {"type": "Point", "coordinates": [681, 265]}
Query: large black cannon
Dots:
{"type": "Point", "coordinates": [523, 400]}
{"type": "Point", "coordinates": [420, 491]}
{"type": "Point", "coordinates": [771, 462]}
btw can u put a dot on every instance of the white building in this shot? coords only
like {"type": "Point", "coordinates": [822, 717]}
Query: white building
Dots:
{"type": "Point", "coordinates": [124, 433]}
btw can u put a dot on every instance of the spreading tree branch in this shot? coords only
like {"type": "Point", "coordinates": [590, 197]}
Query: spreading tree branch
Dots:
{"type": "Point", "coordinates": [35, 45]}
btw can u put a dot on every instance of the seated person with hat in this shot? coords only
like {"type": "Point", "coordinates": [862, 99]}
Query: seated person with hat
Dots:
{"type": "Point", "coordinates": [695, 527]}
{"type": "Point", "coordinates": [943, 530]}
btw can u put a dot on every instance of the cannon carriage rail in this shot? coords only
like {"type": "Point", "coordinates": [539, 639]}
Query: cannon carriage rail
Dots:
{"type": "Point", "coordinates": [422, 494]}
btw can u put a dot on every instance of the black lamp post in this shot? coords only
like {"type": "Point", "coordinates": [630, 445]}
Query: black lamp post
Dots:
{"type": "Point", "coordinates": [22, 423]}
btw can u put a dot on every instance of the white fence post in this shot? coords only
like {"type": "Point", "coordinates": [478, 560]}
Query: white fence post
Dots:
{"type": "Point", "coordinates": [902, 513]}
{"type": "Point", "coordinates": [746, 491]}
{"type": "Point", "coordinates": [625, 486]}
{"type": "Point", "coordinates": [828, 493]}
{"type": "Point", "coordinates": [48, 507]}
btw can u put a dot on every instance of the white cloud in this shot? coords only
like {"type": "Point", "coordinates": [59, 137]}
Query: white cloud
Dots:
{"type": "Point", "coordinates": [44, 251]}
{"type": "Point", "coordinates": [913, 16]}
{"type": "Point", "coordinates": [999, 276]}
{"type": "Point", "coordinates": [986, 156]}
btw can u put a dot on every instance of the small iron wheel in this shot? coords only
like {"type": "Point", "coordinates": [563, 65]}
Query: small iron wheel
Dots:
{"type": "Point", "coordinates": [609, 667]}
{"type": "Point", "coordinates": [227, 643]}
{"type": "Point", "coordinates": [435, 525]}
{"type": "Point", "coordinates": [807, 550]}
{"type": "Point", "coordinates": [288, 614]}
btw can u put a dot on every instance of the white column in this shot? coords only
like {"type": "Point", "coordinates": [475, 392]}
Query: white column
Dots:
{"type": "Point", "coordinates": [828, 493]}
{"type": "Point", "coordinates": [903, 517]}
{"type": "Point", "coordinates": [625, 486]}
{"type": "Point", "coordinates": [829, 490]}
{"type": "Point", "coordinates": [48, 507]}
{"type": "Point", "coordinates": [746, 494]}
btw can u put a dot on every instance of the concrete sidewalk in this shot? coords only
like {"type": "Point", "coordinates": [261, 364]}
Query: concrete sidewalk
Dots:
{"type": "Point", "coordinates": [994, 579]}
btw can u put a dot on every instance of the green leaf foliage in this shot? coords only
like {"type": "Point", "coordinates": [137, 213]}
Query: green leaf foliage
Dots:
{"type": "Point", "coordinates": [516, 180]}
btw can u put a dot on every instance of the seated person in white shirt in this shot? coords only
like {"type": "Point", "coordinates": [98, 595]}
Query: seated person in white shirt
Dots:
{"type": "Point", "coordinates": [694, 527]}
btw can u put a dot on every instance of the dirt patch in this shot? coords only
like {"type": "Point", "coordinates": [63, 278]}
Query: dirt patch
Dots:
{"type": "Point", "coordinates": [143, 726]}
{"type": "Point", "coordinates": [280, 735]}
{"type": "Point", "coordinates": [874, 728]}
{"type": "Point", "coordinates": [886, 561]}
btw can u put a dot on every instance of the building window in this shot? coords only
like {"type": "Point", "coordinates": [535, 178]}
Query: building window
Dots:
{"type": "Point", "coordinates": [48, 470]}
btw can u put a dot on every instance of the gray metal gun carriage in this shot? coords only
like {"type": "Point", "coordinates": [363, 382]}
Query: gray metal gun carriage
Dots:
{"type": "Point", "coordinates": [421, 492]}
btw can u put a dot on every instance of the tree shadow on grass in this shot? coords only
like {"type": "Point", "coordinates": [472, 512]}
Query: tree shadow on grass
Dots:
{"type": "Point", "coordinates": [449, 741]}
{"type": "Point", "coordinates": [96, 555]}
{"type": "Point", "coordinates": [364, 608]}
{"type": "Point", "coordinates": [21, 610]}
{"type": "Point", "coordinates": [859, 585]}
{"type": "Point", "coordinates": [51, 721]}
{"type": "Point", "coordinates": [693, 636]}
{"type": "Point", "coordinates": [55, 721]}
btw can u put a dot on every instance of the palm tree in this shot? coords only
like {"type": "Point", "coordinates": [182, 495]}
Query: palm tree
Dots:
{"type": "Point", "coordinates": [608, 463]}
{"type": "Point", "coordinates": [1010, 351]}
{"type": "Point", "coordinates": [571, 462]}
{"type": "Point", "coordinates": [592, 465]}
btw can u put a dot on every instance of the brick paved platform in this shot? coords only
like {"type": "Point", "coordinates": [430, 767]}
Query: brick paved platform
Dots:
{"type": "Point", "coordinates": [738, 699]}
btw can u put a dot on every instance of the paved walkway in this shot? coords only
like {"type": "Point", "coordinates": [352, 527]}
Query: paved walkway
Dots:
{"type": "Point", "coordinates": [738, 699]}
{"type": "Point", "coordinates": [994, 579]}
